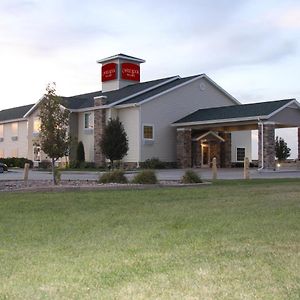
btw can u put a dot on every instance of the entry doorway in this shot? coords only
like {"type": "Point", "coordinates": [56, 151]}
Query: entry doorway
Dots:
{"type": "Point", "coordinates": [205, 156]}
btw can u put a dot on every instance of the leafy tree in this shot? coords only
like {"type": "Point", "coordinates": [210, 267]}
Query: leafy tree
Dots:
{"type": "Point", "coordinates": [281, 149]}
{"type": "Point", "coordinates": [80, 154]}
{"type": "Point", "coordinates": [114, 143]}
{"type": "Point", "coordinates": [53, 136]}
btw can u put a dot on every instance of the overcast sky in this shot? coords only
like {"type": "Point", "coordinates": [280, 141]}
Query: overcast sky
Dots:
{"type": "Point", "coordinates": [250, 48]}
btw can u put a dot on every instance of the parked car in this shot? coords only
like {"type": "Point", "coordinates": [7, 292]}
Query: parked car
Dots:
{"type": "Point", "coordinates": [3, 168]}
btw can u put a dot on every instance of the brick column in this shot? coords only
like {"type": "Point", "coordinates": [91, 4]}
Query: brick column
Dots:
{"type": "Point", "coordinates": [225, 150]}
{"type": "Point", "coordinates": [184, 147]}
{"type": "Point", "coordinates": [299, 143]}
{"type": "Point", "coordinates": [266, 142]}
{"type": "Point", "coordinates": [99, 123]}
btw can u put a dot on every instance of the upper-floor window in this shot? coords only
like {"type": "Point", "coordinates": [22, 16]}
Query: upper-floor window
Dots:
{"type": "Point", "coordinates": [1, 132]}
{"type": "Point", "coordinates": [240, 154]}
{"type": "Point", "coordinates": [36, 125]}
{"type": "Point", "coordinates": [88, 121]}
{"type": "Point", "coordinates": [14, 131]}
{"type": "Point", "coordinates": [148, 132]}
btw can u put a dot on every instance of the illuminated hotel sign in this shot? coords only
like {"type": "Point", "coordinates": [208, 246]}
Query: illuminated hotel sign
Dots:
{"type": "Point", "coordinates": [109, 72]}
{"type": "Point", "coordinates": [130, 72]}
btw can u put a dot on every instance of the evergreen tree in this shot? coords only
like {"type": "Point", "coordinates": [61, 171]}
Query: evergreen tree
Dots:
{"type": "Point", "coordinates": [80, 154]}
{"type": "Point", "coordinates": [114, 143]}
{"type": "Point", "coordinates": [281, 149]}
{"type": "Point", "coordinates": [53, 136]}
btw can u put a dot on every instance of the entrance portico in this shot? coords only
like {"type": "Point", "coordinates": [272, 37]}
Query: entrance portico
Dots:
{"type": "Point", "coordinates": [216, 124]}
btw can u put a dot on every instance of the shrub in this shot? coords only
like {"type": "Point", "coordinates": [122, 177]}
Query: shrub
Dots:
{"type": "Point", "coordinates": [87, 165]}
{"type": "Point", "coordinates": [153, 163]}
{"type": "Point", "coordinates": [191, 177]}
{"type": "Point", "coordinates": [17, 162]}
{"type": "Point", "coordinates": [116, 176]}
{"type": "Point", "coordinates": [45, 164]}
{"type": "Point", "coordinates": [145, 177]}
{"type": "Point", "coordinates": [80, 154]}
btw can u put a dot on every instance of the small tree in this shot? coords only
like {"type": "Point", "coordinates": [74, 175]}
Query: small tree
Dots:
{"type": "Point", "coordinates": [114, 143]}
{"type": "Point", "coordinates": [80, 154]}
{"type": "Point", "coordinates": [53, 136]}
{"type": "Point", "coordinates": [281, 149]}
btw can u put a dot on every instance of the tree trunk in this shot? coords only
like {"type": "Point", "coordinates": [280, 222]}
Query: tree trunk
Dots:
{"type": "Point", "coordinates": [53, 172]}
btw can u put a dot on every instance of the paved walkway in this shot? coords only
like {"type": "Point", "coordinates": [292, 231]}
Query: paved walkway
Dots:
{"type": "Point", "coordinates": [170, 174]}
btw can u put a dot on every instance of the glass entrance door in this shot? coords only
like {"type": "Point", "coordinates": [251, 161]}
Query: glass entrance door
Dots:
{"type": "Point", "coordinates": [205, 151]}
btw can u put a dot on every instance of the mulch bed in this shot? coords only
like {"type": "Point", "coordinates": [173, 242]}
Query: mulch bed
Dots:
{"type": "Point", "coordinates": [80, 185]}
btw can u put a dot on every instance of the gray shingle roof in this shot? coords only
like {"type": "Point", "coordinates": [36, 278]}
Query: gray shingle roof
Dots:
{"type": "Point", "coordinates": [14, 113]}
{"type": "Point", "coordinates": [87, 100]}
{"type": "Point", "coordinates": [234, 111]}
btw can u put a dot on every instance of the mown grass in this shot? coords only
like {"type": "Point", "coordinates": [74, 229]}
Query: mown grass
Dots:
{"type": "Point", "coordinates": [231, 240]}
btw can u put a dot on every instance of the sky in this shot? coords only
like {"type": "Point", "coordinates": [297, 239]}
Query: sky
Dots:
{"type": "Point", "coordinates": [249, 47]}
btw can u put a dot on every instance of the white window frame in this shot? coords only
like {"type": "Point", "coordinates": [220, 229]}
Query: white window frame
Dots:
{"type": "Point", "coordinates": [90, 124]}
{"type": "Point", "coordinates": [153, 132]}
{"type": "Point", "coordinates": [236, 152]}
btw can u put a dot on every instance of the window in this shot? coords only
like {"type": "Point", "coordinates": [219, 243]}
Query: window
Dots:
{"type": "Point", "coordinates": [1, 133]}
{"type": "Point", "coordinates": [1, 153]}
{"type": "Point", "coordinates": [240, 154]}
{"type": "Point", "coordinates": [148, 132]}
{"type": "Point", "coordinates": [14, 132]}
{"type": "Point", "coordinates": [36, 153]}
{"type": "Point", "coordinates": [36, 125]}
{"type": "Point", "coordinates": [88, 121]}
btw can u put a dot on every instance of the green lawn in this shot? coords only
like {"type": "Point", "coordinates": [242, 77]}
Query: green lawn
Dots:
{"type": "Point", "coordinates": [230, 240]}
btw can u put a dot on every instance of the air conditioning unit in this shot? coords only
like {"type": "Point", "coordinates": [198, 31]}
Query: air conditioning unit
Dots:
{"type": "Point", "coordinates": [1, 140]}
{"type": "Point", "coordinates": [14, 138]}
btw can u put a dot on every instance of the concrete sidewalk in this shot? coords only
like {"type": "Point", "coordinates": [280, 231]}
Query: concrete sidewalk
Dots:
{"type": "Point", "coordinates": [169, 174]}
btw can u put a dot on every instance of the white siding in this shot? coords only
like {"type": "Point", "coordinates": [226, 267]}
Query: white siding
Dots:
{"type": "Point", "coordinates": [241, 139]}
{"type": "Point", "coordinates": [168, 108]}
{"type": "Point", "coordinates": [131, 120]}
{"type": "Point", "coordinates": [14, 139]}
{"type": "Point", "coordinates": [87, 137]}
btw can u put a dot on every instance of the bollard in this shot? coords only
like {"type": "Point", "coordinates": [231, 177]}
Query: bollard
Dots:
{"type": "Point", "coordinates": [26, 171]}
{"type": "Point", "coordinates": [246, 168]}
{"type": "Point", "coordinates": [214, 169]}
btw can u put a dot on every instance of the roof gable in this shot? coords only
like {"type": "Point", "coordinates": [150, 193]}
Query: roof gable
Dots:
{"type": "Point", "coordinates": [252, 110]}
{"type": "Point", "coordinates": [14, 113]}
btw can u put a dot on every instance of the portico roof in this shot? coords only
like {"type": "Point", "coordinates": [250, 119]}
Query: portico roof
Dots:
{"type": "Point", "coordinates": [236, 113]}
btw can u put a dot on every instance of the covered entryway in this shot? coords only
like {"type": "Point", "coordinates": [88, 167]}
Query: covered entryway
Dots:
{"type": "Point", "coordinates": [219, 122]}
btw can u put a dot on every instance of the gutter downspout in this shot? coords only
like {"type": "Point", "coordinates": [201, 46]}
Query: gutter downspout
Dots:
{"type": "Point", "coordinates": [262, 144]}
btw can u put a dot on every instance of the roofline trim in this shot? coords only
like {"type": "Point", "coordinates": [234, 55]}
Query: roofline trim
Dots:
{"type": "Point", "coordinates": [219, 121]}
{"type": "Point", "coordinates": [169, 90]}
{"type": "Point", "coordinates": [144, 91]}
{"type": "Point", "coordinates": [13, 120]}
{"type": "Point", "coordinates": [283, 107]}
{"type": "Point", "coordinates": [187, 82]}
{"type": "Point", "coordinates": [33, 107]}
{"type": "Point", "coordinates": [120, 56]}
{"type": "Point", "coordinates": [208, 133]}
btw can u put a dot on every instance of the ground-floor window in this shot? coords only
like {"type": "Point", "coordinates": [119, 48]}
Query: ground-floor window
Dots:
{"type": "Point", "coordinates": [240, 154]}
{"type": "Point", "coordinates": [37, 153]}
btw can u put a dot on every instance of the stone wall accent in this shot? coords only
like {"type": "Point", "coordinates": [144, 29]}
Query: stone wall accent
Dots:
{"type": "Point", "coordinates": [299, 143]}
{"type": "Point", "coordinates": [225, 156]}
{"type": "Point", "coordinates": [196, 154]}
{"type": "Point", "coordinates": [215, 151]}
{"type": "Point", "coordinates": [184, 148]}
{"type": "Point", "coordinates": [99, 124]}
{"type": "Point", "coordinates": [266, 136]}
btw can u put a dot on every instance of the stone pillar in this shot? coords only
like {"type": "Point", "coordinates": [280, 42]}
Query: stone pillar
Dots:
{"type": "Point", "coordinates": [226, 150]}
{"type": "Point", "coordinates": [184, 147]}
{"type": "Point", "coordinates": [299, 143]}
{"type": "Point", "coordinates": [99, 124]}
{"type": "Point", "coordinates": [266, 146]}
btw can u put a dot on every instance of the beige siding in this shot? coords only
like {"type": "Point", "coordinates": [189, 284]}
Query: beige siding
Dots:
{"type": "Point", "coordinates": [241, 139]}
{"type": "Point", "coordinates": [168, 108]}
{"type": "Point", "coordinates": [14, 142]}
{"type": "Point", "coordinates": [131, 120]}
{"type": "Point", "coordinates": [87, 137]}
